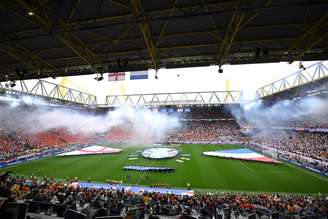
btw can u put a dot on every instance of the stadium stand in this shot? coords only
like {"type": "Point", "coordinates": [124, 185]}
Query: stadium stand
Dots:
{"type": "Point", "coordinates": [48, 197]}
{"type": "Point", "coordinates": [118, 134]}
{"type": "Point", "coordinates": [313, 145]}
{"type": "Point", "coordinates": [205, 131]}
{"type": "Point", "coordinates": [17, 144]}
{"type": "Point", "coordinates": [304, 147]}
{"type": "Point", "coordinates": [308, 149]}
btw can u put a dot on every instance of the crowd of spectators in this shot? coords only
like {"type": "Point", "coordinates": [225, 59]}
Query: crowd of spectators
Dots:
{"type": "Point", "coordinates": [14, 144]}
{"type": "Point", "coordinates": [205, 131]}
{"type": "Point", "coordinates": [45, 195]}
{"type": "Point", "coordinates": [307, 144]}
{"type": "Point", "coordinates": [309, 122]}
{"type": "Point", "coordinates": [313, 145]}
{"type": "Point", "coordinates": [306, 148]}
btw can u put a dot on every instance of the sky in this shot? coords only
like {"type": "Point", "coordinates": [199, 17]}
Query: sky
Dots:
{"type": "Point", "coordinates": [247, 78]}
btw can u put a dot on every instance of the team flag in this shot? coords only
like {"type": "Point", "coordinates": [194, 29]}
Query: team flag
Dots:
{"type": "Point", "coordinates": [241, 154]}
{"type": "Point", "coordinates": [136, 75]}
{"type": "Point", "coordinates": [95, 149]}
{"type": "Point", "coordinates": [116, 76]}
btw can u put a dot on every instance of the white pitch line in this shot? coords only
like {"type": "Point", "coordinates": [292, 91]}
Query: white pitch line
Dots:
{"type": "Point", "coordinates": [247, 166]}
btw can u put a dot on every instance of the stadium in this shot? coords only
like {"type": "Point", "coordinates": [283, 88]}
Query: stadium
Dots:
{"type": "Point", "coordinates": [124, 109]}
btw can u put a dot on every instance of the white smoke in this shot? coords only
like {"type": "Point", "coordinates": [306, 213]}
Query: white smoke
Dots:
{"type": "Point", "coordinates": [33, 115]}
{"type": "Point", "coordinates": [312, 110]}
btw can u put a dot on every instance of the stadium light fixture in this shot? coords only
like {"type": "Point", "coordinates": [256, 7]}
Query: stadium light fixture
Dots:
{"type": "Point", "coordinates": [99, 77]}
{"type": "Point", "coordinates": [12, 84]}
{"type": "Point", "coordinates": [220, 69]}
{"type": "Point", "coordinates": [301, 66]}
{"type": "Point", "coordinates": [30, 13]}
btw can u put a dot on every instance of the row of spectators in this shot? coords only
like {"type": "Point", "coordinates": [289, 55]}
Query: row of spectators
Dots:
{"type": "Point", "coordinates": [57, 197]}
{"type": "Point", "coordinates": [309, 122]}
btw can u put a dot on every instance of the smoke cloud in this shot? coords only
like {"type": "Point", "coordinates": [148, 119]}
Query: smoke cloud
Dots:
{"type": "Point", "coordinates": [312, 110]}
{"type": "Point", "coordinates": [33, 115]}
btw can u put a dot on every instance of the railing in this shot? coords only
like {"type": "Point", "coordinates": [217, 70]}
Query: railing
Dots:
{"type": "Point", "coordinates": [309, 74]}
{"type": "Point", "coordinates": [183, 98]}
{"type": "Point", "coordinates": [50, 90]}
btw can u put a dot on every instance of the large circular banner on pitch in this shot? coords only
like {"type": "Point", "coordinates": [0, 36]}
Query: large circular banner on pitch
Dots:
{"type": "Point", "coordinates": [159, 153]}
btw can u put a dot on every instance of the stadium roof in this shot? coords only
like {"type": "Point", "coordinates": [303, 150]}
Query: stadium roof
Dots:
{"type": "Point", "coordinates": [61, 37]}
{"type": "Point", "coordinates": [307, 81]}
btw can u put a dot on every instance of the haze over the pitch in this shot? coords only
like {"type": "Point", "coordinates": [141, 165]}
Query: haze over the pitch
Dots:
{"type": "Point", "coordinates": [33, 115]}
{"type": "Point", "coordinates": [310, 110]}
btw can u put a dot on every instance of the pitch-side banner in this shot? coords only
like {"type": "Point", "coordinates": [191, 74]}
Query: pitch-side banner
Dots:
{"type": "Point", "coordinates": [325, 130]}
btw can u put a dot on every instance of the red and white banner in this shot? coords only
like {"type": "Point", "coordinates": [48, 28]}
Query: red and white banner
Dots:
{"type": "Point", "coordinates": [95, 149]}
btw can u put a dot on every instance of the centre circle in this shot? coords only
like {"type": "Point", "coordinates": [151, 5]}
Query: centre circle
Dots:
{"type": "Point", "coordinates": [159, 153]}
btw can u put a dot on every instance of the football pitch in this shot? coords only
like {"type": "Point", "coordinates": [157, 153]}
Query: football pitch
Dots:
{"type": "Point", "coordinates": [202, 172]}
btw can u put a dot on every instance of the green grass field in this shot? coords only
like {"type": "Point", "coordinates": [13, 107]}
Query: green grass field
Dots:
{"type": "Point", "coordinates": [204, 173]}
